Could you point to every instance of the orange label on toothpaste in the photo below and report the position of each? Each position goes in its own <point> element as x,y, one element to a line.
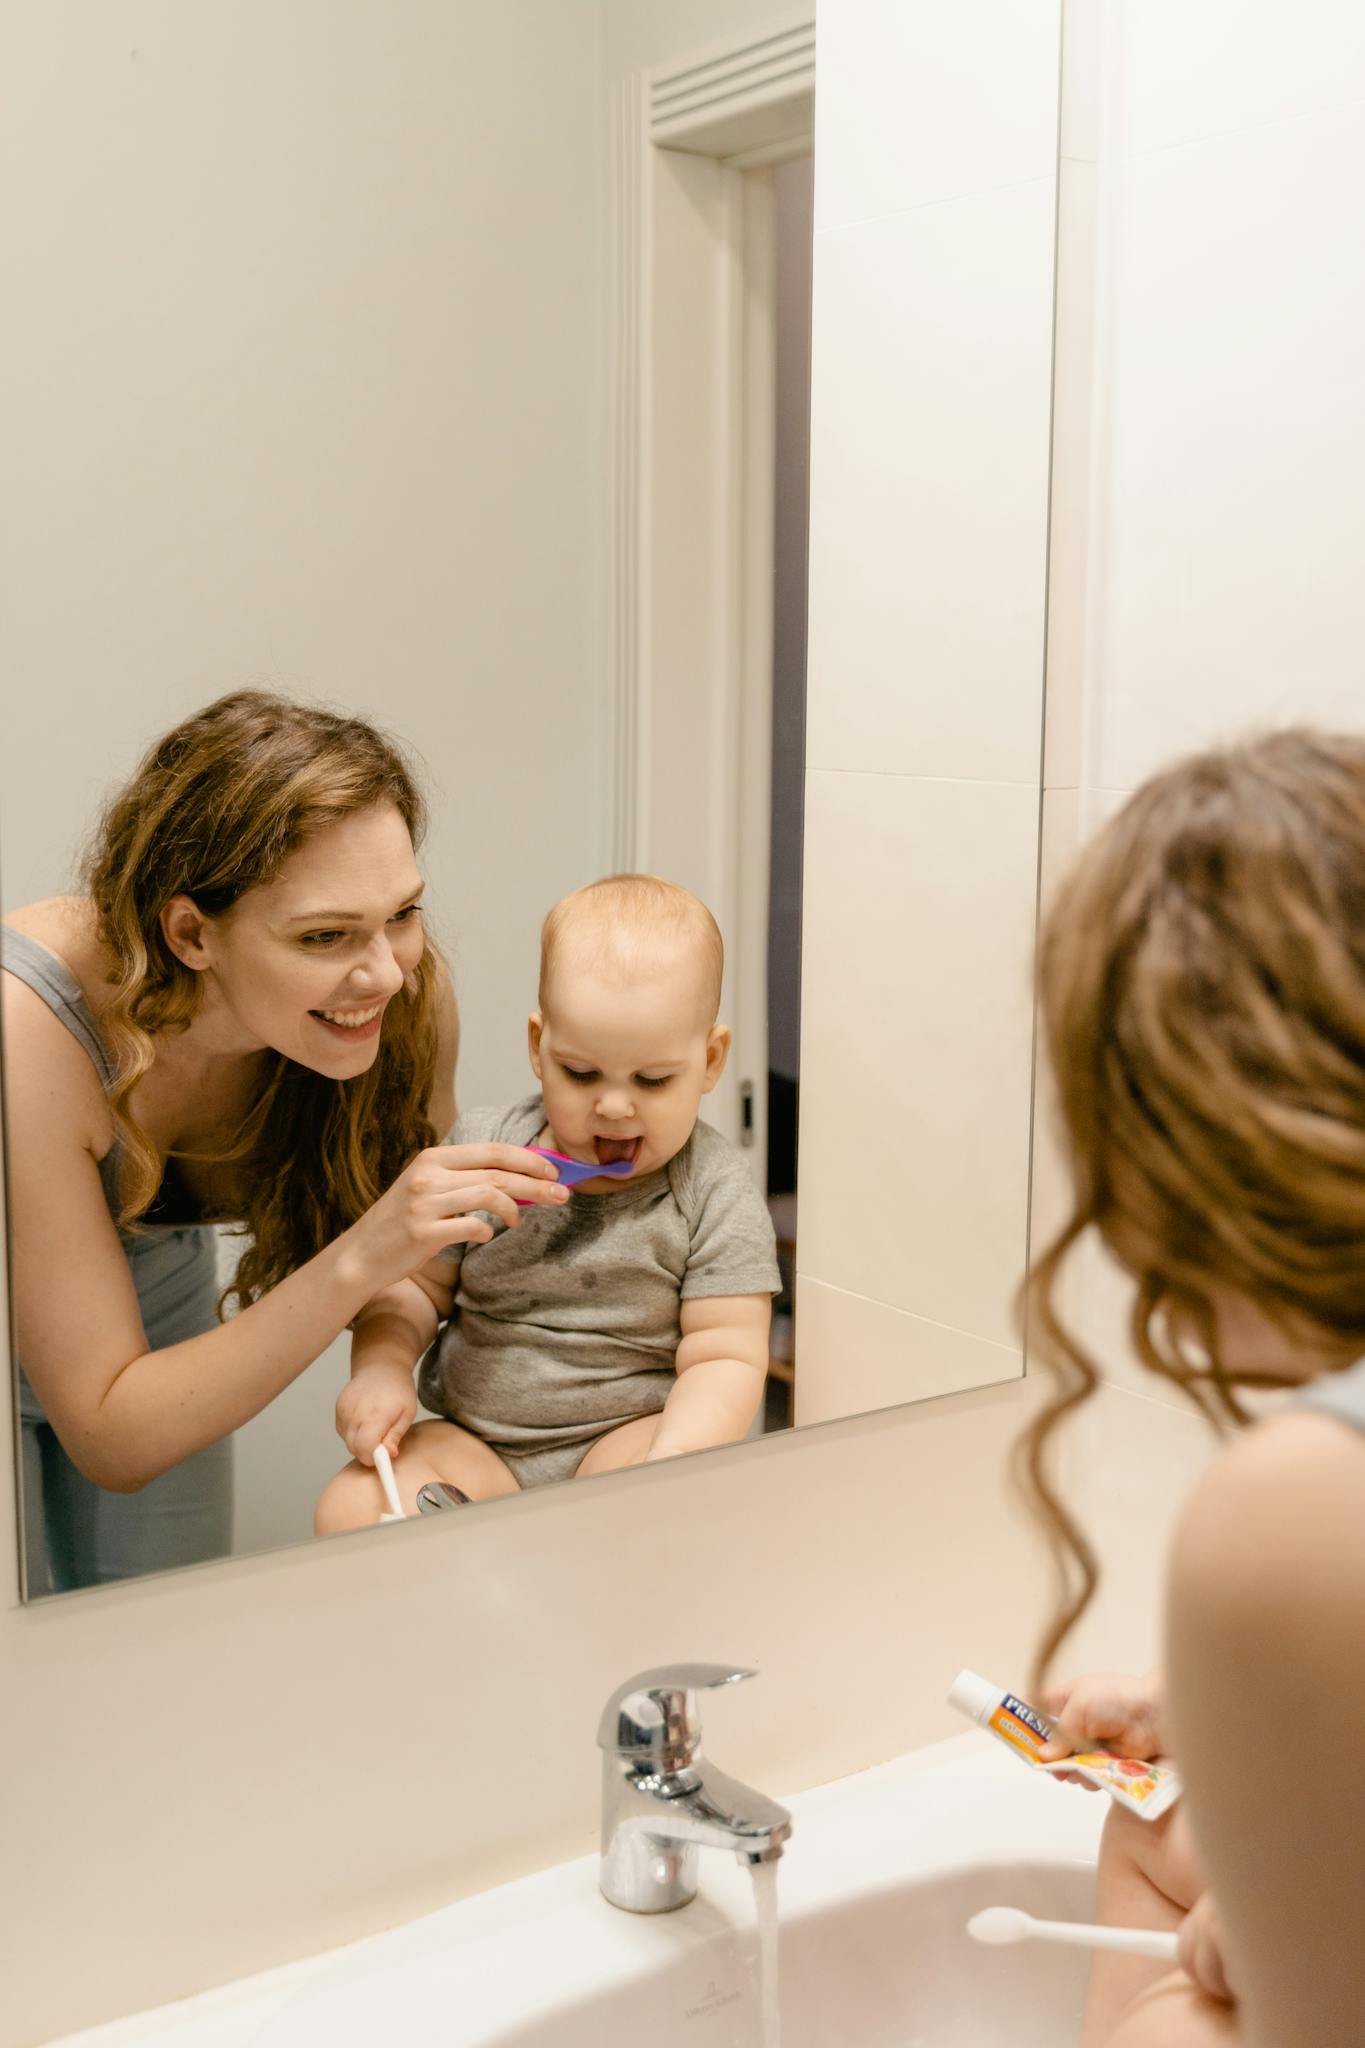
<point>1016,1723</point>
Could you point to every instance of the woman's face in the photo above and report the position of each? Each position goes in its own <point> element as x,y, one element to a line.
<point>308,963</point>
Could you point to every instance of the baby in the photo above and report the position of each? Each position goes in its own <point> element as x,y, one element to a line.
<point>629,1325</point>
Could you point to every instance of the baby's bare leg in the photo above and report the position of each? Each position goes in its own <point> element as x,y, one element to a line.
<point>430,1450</point>
<point>1148,1877</point>
<point>1175,2013</point>
<point>627,1445</point>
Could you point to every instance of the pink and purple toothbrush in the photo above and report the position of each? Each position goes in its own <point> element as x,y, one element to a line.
<point>571,1171</point>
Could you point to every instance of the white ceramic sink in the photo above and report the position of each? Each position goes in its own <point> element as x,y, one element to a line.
<point>882,1873</point>
<point>891,1971</point>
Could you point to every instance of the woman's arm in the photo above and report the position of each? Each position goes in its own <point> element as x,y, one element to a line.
<point>123,1413</point>
<point>1266,1678</point>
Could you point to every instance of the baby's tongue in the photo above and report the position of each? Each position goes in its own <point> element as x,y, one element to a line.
<point>609,1150</point>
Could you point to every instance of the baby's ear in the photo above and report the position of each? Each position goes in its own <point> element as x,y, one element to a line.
<point>535,1024</point>
<point>717,1053</point>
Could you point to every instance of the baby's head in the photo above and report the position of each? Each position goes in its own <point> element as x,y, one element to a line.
<point>625,1042</point>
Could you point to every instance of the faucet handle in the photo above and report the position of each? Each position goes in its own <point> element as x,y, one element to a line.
<point>654,1714</point>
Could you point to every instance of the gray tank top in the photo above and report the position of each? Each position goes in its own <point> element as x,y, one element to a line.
<point>173,1266</point>
<point>51,978</point>
<point>1339,1393</point>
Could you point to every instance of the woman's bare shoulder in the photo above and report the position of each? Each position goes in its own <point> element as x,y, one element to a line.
<point>48,1073</point>
<point>1281,1507</point>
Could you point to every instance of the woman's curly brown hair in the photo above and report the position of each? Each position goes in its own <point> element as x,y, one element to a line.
<point>1202,989</point>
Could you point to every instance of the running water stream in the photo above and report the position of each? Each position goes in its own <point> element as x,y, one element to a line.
<point>765,1913</point>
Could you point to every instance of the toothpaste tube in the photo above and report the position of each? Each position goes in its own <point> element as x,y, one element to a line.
<point>1147,1789</point>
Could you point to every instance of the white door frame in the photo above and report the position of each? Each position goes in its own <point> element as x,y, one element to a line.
<point>690,513</point>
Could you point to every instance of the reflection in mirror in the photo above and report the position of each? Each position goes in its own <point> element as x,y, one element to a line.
<point>334,727</point>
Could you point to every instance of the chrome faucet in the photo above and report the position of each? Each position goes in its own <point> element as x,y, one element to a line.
<point>661,1802</point>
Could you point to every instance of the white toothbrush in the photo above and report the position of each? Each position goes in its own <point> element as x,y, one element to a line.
<point>383,1465</point>
<point>1001,1924</point>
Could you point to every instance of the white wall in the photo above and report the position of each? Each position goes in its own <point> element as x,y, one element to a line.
<point>1210,441</point>
<point>304,387</point>
<point>303,373</point>
<point>223,1715</point>
<point>641,35</point>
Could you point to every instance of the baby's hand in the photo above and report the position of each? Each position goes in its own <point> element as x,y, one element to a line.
<point>1110,1707</point>
<point>376,1406</point>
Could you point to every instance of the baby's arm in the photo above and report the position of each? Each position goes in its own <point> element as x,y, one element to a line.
<point>378,1403</point>
<point>721,1365</point>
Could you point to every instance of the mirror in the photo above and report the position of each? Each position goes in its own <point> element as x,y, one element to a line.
<point>461,390</point>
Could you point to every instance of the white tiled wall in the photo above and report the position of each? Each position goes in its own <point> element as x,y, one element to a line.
<point>935,162</point>
<point>1216,67</point>
<point>1235,590</point>
<point>931,364</point>
<point>919,904</point>
<point>920,103</point>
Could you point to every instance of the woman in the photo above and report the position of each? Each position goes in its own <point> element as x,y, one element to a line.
<point>242,1021</point>
<point>1203,990</point>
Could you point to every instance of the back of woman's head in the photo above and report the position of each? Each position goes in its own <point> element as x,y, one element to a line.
<point>1202,985</point>
<point>214,809</point>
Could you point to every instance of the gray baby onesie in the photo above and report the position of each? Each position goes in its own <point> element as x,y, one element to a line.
<point>568,1325</point>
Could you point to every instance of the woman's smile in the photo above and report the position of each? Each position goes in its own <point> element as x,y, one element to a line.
<point>354,1024</point>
